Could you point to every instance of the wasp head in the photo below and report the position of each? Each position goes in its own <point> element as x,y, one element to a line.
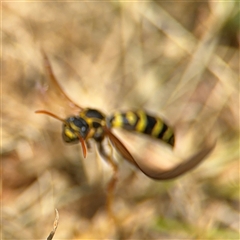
<point>73,128</point>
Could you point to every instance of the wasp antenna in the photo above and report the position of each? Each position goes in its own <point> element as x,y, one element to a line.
<point>50,114</point>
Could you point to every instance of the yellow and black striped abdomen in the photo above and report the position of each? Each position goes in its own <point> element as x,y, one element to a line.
<point>142,122</point>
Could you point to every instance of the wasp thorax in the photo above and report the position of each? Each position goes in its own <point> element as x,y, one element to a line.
<point>74,128</point>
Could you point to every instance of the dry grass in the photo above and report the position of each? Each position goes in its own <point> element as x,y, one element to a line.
<point>177,59</point>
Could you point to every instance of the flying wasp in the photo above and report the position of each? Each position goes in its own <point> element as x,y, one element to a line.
<point>93,124</point>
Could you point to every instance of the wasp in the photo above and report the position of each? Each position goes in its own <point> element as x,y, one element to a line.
<point>93,124</point>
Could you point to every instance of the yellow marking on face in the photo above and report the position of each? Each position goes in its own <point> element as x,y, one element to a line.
<point>142,122</point>
<point>157,127</point>
<point>118,120</point>
<point>69,133</point>
<point>131,117</point>
<point>167,135</point>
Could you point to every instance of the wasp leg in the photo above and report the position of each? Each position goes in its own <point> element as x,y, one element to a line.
<point>113,181</point>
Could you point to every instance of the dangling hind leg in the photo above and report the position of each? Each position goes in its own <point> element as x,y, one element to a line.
<point>113,181</point>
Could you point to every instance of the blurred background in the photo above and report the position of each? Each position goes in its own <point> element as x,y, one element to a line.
<point>177,60</point>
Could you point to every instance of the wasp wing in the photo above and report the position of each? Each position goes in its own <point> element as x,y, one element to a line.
<point>179,169</point>
<point>52,91</point>
<point>158,173</point>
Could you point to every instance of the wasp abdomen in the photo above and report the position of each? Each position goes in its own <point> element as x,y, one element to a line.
<point>142,122</point>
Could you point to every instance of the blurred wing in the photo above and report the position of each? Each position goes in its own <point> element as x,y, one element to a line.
<point>54,92</point>
<point>179,169</point>
<point>158,173</point>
